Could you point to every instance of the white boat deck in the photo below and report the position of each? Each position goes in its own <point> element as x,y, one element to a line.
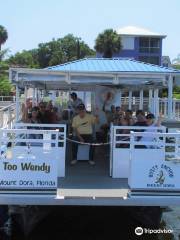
<point>84,180</point>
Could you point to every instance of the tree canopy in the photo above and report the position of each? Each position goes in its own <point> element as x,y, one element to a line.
<point>55,52</point>
<point>3,35</point>
<point>5,85</point>
<point>108,42</point>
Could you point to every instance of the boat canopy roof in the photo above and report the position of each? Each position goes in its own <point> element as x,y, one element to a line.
<point>86,73</point>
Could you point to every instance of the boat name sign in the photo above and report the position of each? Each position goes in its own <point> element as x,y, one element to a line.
<point>28,173</point>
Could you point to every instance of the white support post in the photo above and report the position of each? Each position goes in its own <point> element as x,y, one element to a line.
<point>141,99</point>
<point>150,100</point>
<point>130,99</point>
<point>34,96</point>
<point>37,96</point>
<point>25,93</point>
<point>17,112</point>
<point>43,94</point>
<point>165,107</point>
<point>84,98</point>
<point>53,96</point>
<point>120,96</point>
<point>174,108</point>
<point>170,97</point>
<point>93,102</point>
<point>156,102</point>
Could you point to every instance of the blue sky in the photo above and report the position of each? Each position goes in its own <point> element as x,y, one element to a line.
<point>30,22</point>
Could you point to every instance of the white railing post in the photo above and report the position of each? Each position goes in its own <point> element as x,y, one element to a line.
<point>150,99</point>
<point>25,92</point>
<point>17,104</point>
<point>130,100</point>
<point>170,97</point>
<point>165,107</point>
<point>120,98</point>
<point>1,119</point>
<point>141,99</point>
<point>34,96</point>
<point>178,109</point>
<point>9,118</point>
<point>156,102</point>
<point>174,108</point>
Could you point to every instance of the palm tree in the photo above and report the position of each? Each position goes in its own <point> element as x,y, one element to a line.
<point>3,35</point>
<point>108,43</point>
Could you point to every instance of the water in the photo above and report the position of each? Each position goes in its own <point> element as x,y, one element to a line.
<point>89,223</point>
<point>172,221</point>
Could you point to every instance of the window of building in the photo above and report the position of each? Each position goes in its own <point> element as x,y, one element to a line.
<point>149,45</point>
<point>127,43</point>
<point>152,60</point>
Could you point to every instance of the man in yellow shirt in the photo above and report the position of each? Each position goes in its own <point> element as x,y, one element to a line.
<point>83,129</point>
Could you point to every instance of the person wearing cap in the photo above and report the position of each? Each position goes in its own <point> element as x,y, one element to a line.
<point>83,128</point>
<point>75,101</point>
<point>150,120</point>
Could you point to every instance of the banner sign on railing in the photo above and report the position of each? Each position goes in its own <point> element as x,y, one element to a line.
<point>28,170</point>
<point>29,159</point>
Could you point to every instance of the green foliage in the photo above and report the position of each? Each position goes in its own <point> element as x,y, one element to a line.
<point>176,92</point>
<point>50,53</point>
<point>3,35</point>
<point>3,67</point>
<point>176,95</point>
<point>176,66</point>
<point>5,86</point>
<point>47,54</point>
<point>55,52</point>
<point>23,59</point>
<point>108,43</point>
<point>74,48</point>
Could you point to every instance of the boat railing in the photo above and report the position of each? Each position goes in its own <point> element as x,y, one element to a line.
<point>30,160</point>
<point>121,147</point>
<point>153,105</point>
<point>62,131</point>
<point>30,152</point>
<point>7,98</point>
<point>7,116</point>
<point>163,108</point>
<point>169,143</point>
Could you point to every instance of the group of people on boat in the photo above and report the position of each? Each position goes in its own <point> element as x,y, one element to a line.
<point>43,112</point>
<point>84,123</point>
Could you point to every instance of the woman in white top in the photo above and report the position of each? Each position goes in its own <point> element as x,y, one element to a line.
<point>151,124</point>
